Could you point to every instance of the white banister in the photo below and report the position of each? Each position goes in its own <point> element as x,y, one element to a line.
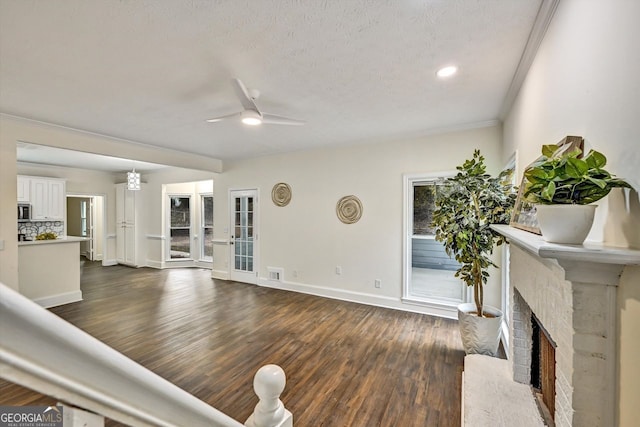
<point>268,384</point>
<point>45,353</point>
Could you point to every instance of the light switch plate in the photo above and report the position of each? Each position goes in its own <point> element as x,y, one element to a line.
<point>1,244</point>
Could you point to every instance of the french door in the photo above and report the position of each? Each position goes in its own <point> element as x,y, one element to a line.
<point>243,254</point>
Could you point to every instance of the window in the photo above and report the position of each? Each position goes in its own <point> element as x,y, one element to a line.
<point>180,227</point>
<point>207,228</point>
<point>424,203</point>
<point>426,251</point>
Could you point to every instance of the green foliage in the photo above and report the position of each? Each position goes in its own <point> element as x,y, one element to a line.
<point>470,202</point>
<point>560,177</point>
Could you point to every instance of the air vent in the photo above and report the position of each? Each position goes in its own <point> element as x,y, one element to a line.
<point>275,274</point>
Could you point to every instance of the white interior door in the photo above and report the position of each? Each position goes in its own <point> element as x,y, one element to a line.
<point>244,236</point>
<point>88,231</point>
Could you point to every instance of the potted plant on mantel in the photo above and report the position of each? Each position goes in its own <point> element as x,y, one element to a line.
<point>470,202</point>
<point>562,186</point>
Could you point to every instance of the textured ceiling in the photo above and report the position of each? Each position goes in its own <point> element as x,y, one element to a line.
<point>355,70</point>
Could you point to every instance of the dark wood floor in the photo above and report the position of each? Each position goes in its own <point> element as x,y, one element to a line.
<point>346,364</point>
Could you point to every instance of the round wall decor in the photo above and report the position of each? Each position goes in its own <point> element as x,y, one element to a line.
<point>281,194</point>
<point>349,209</point>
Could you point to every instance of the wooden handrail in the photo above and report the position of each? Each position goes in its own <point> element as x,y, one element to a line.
<point>45,353</point>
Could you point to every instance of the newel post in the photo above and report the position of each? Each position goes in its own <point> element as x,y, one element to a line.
<point>268,383</point>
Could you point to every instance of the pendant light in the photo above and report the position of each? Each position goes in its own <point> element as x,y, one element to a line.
<point>133,179</point>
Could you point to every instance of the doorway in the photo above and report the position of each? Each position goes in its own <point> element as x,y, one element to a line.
<point>429,272</point>
<point>244,235</point>
<point>85,218</point>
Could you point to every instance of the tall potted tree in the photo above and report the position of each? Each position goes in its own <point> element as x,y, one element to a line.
<point>470,202</point>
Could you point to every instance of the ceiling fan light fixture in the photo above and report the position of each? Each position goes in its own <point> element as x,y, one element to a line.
<point>251,118</point>
<point>447,71</point>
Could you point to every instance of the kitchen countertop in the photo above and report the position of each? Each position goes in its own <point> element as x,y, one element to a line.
<point>63,239</point>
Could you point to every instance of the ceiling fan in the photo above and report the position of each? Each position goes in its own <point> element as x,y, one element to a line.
<point>251,115</point>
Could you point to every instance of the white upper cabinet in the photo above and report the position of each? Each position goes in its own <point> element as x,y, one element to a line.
<point>24,189</point>
<point>47,199</point>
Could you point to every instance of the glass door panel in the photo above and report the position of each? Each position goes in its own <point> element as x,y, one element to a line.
<point>243,237</point>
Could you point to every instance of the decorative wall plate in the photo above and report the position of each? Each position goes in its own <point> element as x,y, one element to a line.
<point>281,194</point>
<point>349,209</point>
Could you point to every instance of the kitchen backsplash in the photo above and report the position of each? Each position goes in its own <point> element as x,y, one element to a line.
<point>33,228</point>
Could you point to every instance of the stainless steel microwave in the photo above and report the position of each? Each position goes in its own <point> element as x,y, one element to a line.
<point>24,212</point>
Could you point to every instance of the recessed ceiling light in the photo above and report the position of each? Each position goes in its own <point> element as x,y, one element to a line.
<point>447,71</point>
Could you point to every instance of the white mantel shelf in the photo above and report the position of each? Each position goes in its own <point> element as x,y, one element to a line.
<point>589,252</point>
<point>590,262</point>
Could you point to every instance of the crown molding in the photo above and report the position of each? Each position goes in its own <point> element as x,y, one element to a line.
<point>538,31</point>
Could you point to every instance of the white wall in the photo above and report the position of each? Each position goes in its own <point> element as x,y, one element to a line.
<point>585,80</point>
<point>307,237</point>
<point>8,203</point>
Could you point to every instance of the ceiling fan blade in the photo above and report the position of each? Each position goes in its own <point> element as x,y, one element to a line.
<point>243,95</point>
<point>280,120</point>
<point>218,119</point>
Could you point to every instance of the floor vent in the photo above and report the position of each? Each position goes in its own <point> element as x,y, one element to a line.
<point>275,274</point>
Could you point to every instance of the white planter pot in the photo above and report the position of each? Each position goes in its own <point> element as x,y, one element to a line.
<point>480,335</point>
<point>569,224</point>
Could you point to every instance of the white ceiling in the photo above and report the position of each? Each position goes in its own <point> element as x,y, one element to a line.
<point>356,70</point>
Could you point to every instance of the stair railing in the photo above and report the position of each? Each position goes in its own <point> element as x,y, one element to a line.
<point>43,352</point>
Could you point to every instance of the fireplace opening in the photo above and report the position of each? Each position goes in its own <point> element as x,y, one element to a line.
<point>543,370</point>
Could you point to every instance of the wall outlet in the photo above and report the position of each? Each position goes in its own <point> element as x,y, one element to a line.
<point>338,270</point>
<point>377,283</point>
<point>294,273</point>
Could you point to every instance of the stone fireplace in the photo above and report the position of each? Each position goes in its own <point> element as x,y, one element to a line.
<point>571,291</point>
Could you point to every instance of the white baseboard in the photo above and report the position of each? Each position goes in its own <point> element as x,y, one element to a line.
<point>109,262</point>
<point>155,264</point>
<point>220,274</point>
<point>204,264</point>
<point>59,299</point>
<point>178,264</point>
<point>357,297</point>
<point>435,309</point>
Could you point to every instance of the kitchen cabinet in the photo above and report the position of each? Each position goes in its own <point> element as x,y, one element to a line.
<point>130,238</point>
<point>47,199</point>
<point>24,189</point>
